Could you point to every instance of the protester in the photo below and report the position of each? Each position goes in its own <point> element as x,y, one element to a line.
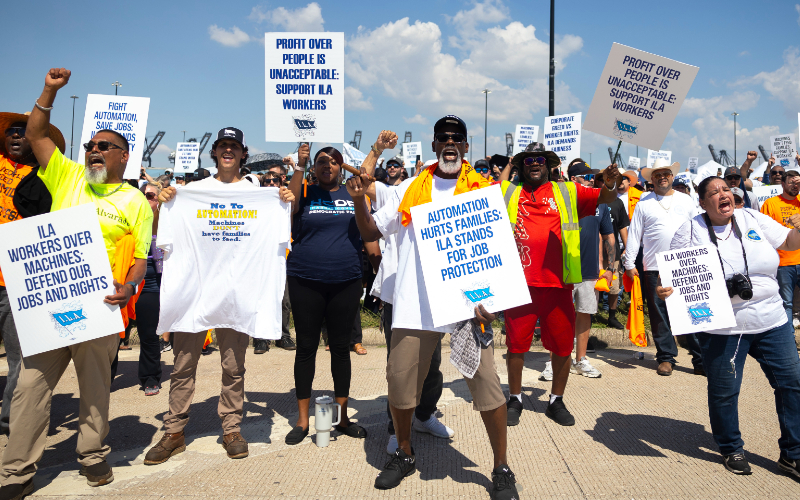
<point>180,180</point>
<point>620,222</point>
<point>774,174</point>
<point>627,191</point>
<point>738,197</point>
<point>70,184</point>
<point>746,242</point>
<point>735,178</point>
<point>271,179</point>
<point>680,186</point>
<point>394,170</point>
<point>483,168</point>
<point>280,171</point>
<point>658,215</point>
<point>228,152</point>
<point>148,305</point>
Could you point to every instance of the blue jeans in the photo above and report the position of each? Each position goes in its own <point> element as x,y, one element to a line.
<point>776,352</point>
<point>787,280</point>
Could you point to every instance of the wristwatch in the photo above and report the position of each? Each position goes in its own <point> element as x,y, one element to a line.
<point>133,284</point>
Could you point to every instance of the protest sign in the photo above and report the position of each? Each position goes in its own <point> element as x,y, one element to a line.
<point>784,149</point>
<point>562,135</point>
<point>524,135</point>
<point>304,75</point>
<point>410,152</point>
<point>691,166</point>
<point>634,163</point>
<point>763,193</point>
<point>638,96</point>
<point>351,156</point>
<point>652,156</point>
<point>123,114</point>
<point>469,255</point>
<point>186,156</point>
<point>699,301</point>
<point>57,274</point>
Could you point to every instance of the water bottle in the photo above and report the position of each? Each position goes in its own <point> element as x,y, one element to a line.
<point>643,355</point>
<point>323,419</point>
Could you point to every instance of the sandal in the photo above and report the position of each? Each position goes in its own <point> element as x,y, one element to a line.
<point>359,349</point>
<point>352,430</point>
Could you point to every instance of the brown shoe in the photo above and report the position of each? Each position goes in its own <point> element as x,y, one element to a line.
<point>235,445</point>
<point>170,444</point>
<point>664,369</point>
<point>97,474</point>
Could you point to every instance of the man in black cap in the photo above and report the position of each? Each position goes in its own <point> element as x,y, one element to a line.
<point>733,177</point>
<point>482,167</point>
<point>394,171</point>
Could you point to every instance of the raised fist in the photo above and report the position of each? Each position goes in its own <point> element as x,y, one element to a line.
<point>57,78</point>
<point>751,156</point>
<point>386,140</point>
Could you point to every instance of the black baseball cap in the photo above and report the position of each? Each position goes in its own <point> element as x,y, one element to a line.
<point>450,120</point>
<point>201,173</point>
<point>579,168</point>
<point>482,163</point>
<point>230,133</point>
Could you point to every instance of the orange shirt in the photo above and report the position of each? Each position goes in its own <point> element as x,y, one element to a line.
<point>10,175</point>
<point>781,209</point>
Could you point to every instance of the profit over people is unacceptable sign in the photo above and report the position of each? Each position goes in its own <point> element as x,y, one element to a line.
<point>468,255</point>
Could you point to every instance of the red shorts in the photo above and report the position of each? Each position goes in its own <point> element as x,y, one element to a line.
<point>554,309</point>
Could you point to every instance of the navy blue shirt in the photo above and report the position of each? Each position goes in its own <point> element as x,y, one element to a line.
<point>152,278</point>
<point>591,229</point>
<point>326,244</point>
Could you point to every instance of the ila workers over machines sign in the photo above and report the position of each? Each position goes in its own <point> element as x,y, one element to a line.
<point>638,96</point>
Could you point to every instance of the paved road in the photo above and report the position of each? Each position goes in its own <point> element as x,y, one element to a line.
<point>638,435</point>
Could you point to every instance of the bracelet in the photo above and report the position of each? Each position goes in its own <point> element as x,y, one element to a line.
<point>375,150</point>
<point>42,108</point>
<point>611,188</point>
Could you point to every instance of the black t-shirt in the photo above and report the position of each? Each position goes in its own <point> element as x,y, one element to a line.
<point>591,229</point>
<point>152,278</point>
<point>620,220</point>
<point>326,244</point>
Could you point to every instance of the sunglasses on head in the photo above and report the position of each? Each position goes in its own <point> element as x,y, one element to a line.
<point>15,130</point>
<point>150,196</point>
<point>101,145</point>
<point>534,160</point>
<point>481,170</point>
<point>444,137</point>
<point>733,177</point>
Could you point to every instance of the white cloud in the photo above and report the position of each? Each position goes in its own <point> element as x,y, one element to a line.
<point>418,118</point>
<point>744,53</point>
<point>162,149</point>
<point>229,38</point>
<point>783,83</point>
<point>488,12</point>
<point>308,18</point>
<point>354,99</point>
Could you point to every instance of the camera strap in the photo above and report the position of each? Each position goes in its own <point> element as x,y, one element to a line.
<point>713,237</point>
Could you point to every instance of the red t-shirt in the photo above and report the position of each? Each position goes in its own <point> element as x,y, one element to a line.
<point>538,233</point>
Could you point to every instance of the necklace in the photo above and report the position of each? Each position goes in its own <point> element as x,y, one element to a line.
<point>107,194</point>
<point>666,209</point>
<point>729,233</point>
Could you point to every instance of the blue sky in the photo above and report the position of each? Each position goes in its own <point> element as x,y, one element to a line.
<point>408,63</point>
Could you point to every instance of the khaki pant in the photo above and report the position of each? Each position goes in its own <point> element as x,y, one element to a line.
<point>187,348</point>
<point>30,406</point>
<point>409,362</point>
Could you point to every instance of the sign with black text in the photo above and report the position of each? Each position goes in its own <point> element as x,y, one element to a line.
<point>524,135</point>
<point>186,157</point>
<point>784,149</point>
<point>562,135</point>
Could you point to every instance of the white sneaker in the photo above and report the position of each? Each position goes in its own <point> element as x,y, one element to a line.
<point>585,368</point>
<point>434,427</point>
<point>547,374</point>
<point>391,446</point>
<point>795,322</point>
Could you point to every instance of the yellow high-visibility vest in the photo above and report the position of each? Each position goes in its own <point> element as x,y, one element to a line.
<point>566,196</point>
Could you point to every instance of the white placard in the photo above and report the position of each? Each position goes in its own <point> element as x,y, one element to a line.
<point>652,156</point>
<point>524,135</point>
<point>469,256</point>
<point>784,149</point>
<point>763,193</point>
<point>123,114</point>
<point>57,274</point>
<point>186,156</point>
<point>410,152</point>
<point>562,135</point>
<point>691,166</point>
<point>699,301</point>
<point>638,96</point>
<point>634,163</point>
<point>351,156</point>
<point>304,87</point>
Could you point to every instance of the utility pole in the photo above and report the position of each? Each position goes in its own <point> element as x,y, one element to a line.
<point>470,150</point>
<point>552,58</point>
<point>485,119</point>
<point>72,135</point>
<point>735,114</point>
<point>116,85</point>
<point>184,135</point>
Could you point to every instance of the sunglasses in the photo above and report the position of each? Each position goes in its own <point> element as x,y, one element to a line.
<point>101,145</point>
<point>588,177</point>
<point>481,170</point>
<point>272,181</point>
<point>150,196</point>
<point>444,137</point>
<point>733,178</point>
<point>776,172</point>
<point>20,131</point>
<point>393,165</point>
<point>661,175</point>
<point>534,160</point>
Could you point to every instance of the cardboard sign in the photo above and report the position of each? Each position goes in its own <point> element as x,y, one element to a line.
<point>562,135</point>
<point>524,135</point>
<point>186,156</point>
<point>123,114</point>
<point>57,274</point>
<point>691,166</point>
<point>638,96</point>
<point>652,156</point>
<point>784,149</point>
<point>699,301</point>
<point>410,152</point>
<point>304,87</point>
<point>469,255</point>
<point>763,193</point>
<point>634,163</point>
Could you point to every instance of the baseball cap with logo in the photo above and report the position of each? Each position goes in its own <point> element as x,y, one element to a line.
<point>450,120</point>
<point>230,133</point>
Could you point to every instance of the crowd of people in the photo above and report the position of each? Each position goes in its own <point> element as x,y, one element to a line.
<point>576,229</point>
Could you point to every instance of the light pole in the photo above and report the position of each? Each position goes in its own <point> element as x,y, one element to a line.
<point>552,58</point>
<point>470,150</point>
<point>116,85</point>
<point>485,119</point>
<point>184,135</point>
<point>72,135</point>
<point>735,114</point>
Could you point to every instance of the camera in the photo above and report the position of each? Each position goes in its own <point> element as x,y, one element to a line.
<point>739,285</point>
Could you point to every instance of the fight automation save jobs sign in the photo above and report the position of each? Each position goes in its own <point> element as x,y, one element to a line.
<point>57,274</point>
<point>468,255</point>
<point>638,96</point>
<point>304,87</point>
<point>123,114</point>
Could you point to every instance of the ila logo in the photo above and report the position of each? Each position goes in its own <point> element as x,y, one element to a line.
<point>69,319</point>
<point>304,125</point>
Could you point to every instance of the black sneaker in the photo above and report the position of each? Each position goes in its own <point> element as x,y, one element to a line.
<point>260,346</point>
<point>613,322</point>
<point>503,484</point>
<point>98,474</point>
<point>16,491</point>
<point>737,463</point>
<point>206,350</point>
<point>164,345</point>
<point>558,413</point>
<point>286,343</point>
<point>791,467</point>
<point>398,467</point>
<point>513,411</point>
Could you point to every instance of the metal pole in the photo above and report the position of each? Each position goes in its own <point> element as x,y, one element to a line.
<point>552,58</point>
<point>184,135</point>
<point>735,114</point>
<point>116,85</point>
<point>485,120</point>
<point>72,135</point>
<point>470,150</point>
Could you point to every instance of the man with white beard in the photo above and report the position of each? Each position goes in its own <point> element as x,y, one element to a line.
<point>414,336</point>
<point>121,210</point>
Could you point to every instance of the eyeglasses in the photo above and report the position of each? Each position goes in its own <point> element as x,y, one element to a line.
<point>150,196</point>
<point>661,175</point>
<point>534,160</point>
<point>733,177</point>
<point>20,131</point>
<point>481,170</point>
<point>393,165</point>
<point>101,145</point>
<point>444,137</point>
